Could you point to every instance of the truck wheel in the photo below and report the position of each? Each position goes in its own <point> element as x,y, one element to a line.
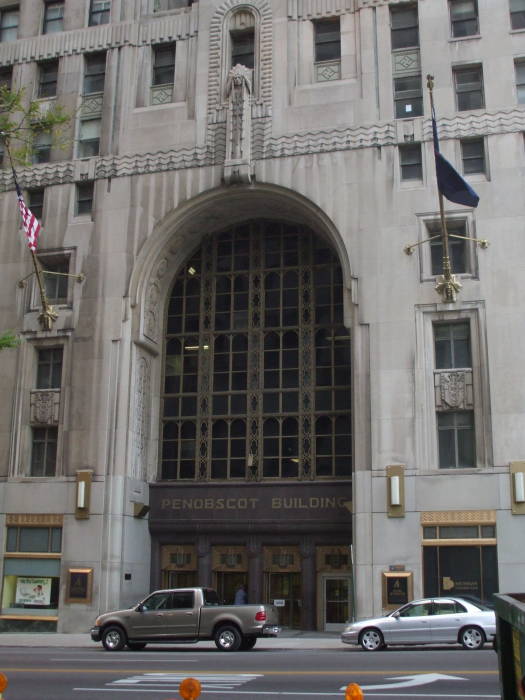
<point>248,643</point>
<point>136,646</point>
<point>114,638</point>
<point>228,638</point>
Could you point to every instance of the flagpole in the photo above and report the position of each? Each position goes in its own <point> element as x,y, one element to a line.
<point>48,315</point>
<point>447,285</point>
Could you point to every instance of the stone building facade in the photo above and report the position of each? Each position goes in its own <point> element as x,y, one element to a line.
<point>248,379</point>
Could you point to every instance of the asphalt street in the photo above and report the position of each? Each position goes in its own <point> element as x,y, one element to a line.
<point>280,668</point>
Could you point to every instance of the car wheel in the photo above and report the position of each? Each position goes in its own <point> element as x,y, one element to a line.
<point>248,643</point>
<point>136,646</point>
<point>114,638</point>
<point>472,638</point>
<point>371,639</point>
<point>228,638</point>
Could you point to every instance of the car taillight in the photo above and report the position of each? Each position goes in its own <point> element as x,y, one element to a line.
<point>260,616</point>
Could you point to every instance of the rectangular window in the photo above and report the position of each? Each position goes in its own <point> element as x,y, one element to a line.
<point>42,148</point>
<point>404,27</point>
<point>6,77</point>
<point>243,47</point>
<point>84,198</point>
<point>473,156</point>
<point>34,539</point>
<point>99,12</point>
<point>47,79</point>
<point>410,161</point>
<point>44,451</point>
<point>9,24</point>
<point>457,247</point>
<point>49,368</point>
<point>464,17</point>
<point>456,439</point>
<point>520,81</point>
<point>327,38</point>
<point>469,88</point>
<point>164,64</point>
<point>94,73</point>
<point>53,17</point>
<point>452,345</point>
<point>166,5</point>
<point>408,96</point>
<point>517,14</point>
<point>89,138</point>
<point>35,201</point>
<point>56,280</point>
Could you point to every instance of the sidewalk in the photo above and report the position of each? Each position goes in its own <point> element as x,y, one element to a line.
<point>288,639</point>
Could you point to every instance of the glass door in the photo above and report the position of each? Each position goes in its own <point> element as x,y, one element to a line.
<point>336,602</point>
<point>286,590</point>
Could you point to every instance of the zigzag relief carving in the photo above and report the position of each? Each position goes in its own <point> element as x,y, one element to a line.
<point>264,146</point>
<point>106,36</point>
<point>304,9</point>
<point>215,87</point>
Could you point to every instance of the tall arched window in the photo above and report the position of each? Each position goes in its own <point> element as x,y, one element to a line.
<point>257,360</point>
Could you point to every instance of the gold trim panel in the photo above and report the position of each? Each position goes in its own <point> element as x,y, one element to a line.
<point>50,519</point>
<point>448,517</point>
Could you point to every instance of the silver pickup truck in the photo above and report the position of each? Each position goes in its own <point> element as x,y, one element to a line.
<point>186,615</point>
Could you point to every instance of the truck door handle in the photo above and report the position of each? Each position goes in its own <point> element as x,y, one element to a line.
<point>189,613</point>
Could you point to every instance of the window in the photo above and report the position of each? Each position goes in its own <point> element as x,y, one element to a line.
<point>42,148</point>
<point>35,201</point>
<point>469,88</point>
<point>517,14</point>
<point>473,156</point>
<point>49,368</point>
<point>164,64</point>
<point>53,17</point>
<point>34,539</point>
<point>47,79</point>
<point>57,283</point>
<point>452,345</point>
<point>520,81</point>
<point>99,12</point>
<point>166,5</point>
<point>89,138</point>
<point>94,73</point>
<point>464,17</point>
<point>404,27</point>
<point>84,198</point>
<point>408,96</point>
<point>457,247</point>
<point>410,161</point>
<point>9,24</point>
<point>44,451</point>
<point>327,38</point>
<point>6,77</point>
<point>243,47</point>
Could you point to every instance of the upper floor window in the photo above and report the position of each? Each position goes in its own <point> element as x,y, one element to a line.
<point>520,81</point>
<point>243,47</point>
<point>517,14</point>
<point>53,17</point>
<point>42,148</point>
<point>6,77</point>
<point>47,79</point>
<point>166,5</point>
<point>408,96</point>
<point>49,368</point>
<point>35,201</point>
<point>56,280</point>
<point>84,198</point>
<point>473,156</point>
<point>94,72</point>
<point>9,24</point>
<point>99,12</point>
<point>163,64</point>
<point>468,83</point>
<point>404,26</point>
<point>44,451</point>
<point>464,17</point>
<point>327,38</point>
<point>34,539</point>
<point>89,137</point>
<point>452,345</point>
<point>457,247</point>
<point>410,161</point>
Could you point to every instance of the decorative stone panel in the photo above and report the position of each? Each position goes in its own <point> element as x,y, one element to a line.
<point>45,406</point>
<point>21,519</point>
<point>458,517</point>
<point>141,417</point>
<point>327,70</point>
<point>305,9</point>
<point>453,390</point>
<point>406,62</point>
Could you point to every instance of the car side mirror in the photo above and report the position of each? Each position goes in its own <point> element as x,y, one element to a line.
<point>396,615</point>
<point>139,608</point>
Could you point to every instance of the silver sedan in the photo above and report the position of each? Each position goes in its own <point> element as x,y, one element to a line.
<point>427,621</point>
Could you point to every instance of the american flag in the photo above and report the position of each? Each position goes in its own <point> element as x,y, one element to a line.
<point>30,222</point>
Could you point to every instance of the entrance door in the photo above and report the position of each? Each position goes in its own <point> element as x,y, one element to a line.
<point>226,583</point>
<point>285,588</point>
<point>336,602</point>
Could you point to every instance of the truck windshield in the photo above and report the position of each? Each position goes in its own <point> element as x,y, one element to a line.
<point>210,596</point>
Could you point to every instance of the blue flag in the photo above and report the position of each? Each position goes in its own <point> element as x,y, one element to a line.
<point>450,183</point>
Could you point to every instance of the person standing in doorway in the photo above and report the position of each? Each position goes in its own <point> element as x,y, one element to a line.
<point>241,596</point>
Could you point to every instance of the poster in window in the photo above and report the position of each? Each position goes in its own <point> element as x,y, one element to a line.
<point>79,586</point>
<point>31,590</point>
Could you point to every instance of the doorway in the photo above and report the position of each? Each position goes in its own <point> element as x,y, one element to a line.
<point>226,583</point>
<point>285,588</point>
<point>337,602</point>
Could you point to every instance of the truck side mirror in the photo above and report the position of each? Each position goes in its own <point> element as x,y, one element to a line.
<point>140,608</point>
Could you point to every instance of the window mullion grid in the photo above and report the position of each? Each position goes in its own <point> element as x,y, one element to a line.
<point>255,369</point>
<point>306,419</point>
<point>205,378</point>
